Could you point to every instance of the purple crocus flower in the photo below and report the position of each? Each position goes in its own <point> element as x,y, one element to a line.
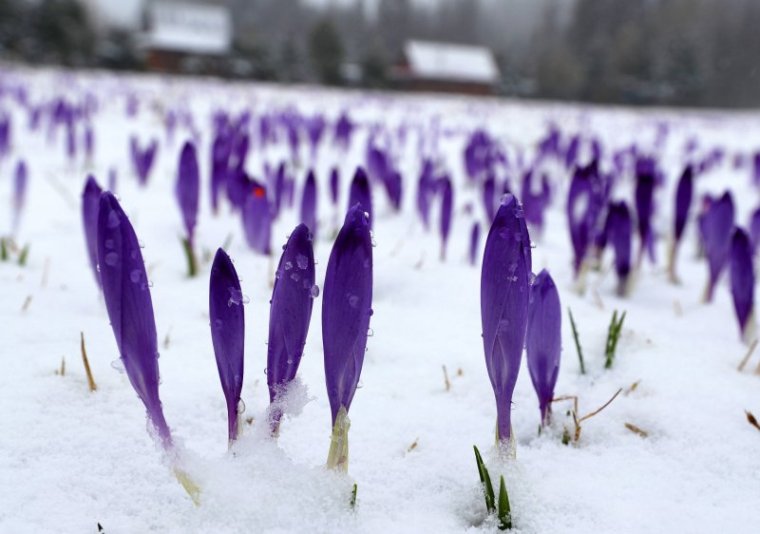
<point>754,230</point>
<point>717,225</point>
<point>89,141</point>
<point>289,317</point>
<point>447,212</point>
<point>187,191</point>
<point>280,186</point>
<point>90,206</point>
<point>489,196</point>
<point>227,333</point>
<point>584,205</point>
<point>474,243</point>
<point>535,202</point>
<point>130,309</point>
<point>5,135</point>
<point>20,181</point>
<point>425,192</point>
<point>544,340</point>
<point>344,127</point>
<point>360,193</point>
<point>684,194</point>
<point>309,203</point>
<point>257,219</point>
<point>394,188</point>
<point>619,230</point>
<point>334,185</point>
<point>742,281</point>
<point>220,156</point>
<point>187,188</point>
<point>646,178</point>
<point>504,291</point>
<point>142,160</point>
<point>346,310</point>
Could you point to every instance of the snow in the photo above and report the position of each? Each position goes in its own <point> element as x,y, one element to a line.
<point>448,61</point>
<point>70,458</point>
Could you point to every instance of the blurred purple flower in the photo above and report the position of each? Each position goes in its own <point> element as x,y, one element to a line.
<point>142,160</point>
<point>584,205</point>
<point>257,219</point>
<point>447,212</point>
<point>742,281</point>
<point>717,225</point>
<point>360,193</point>
<point>334,185</point>
<point>474,243</point>
<point>646,179</point>
<point>187,188</point>
<point>619,229</point>
<point>90,206</point>
<point>309,203</point>
<point>20,185</point>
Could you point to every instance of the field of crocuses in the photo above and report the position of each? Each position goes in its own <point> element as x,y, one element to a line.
<point>349,291</point>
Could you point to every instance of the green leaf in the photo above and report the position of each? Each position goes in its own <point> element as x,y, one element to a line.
<point>352,502</point>
<point>504,513</point>
<point>577,342</point>
<point>23,256</point>
<point>485,480</point>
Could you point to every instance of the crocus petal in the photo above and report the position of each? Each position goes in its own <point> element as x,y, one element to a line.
<point>742,278</point>
<point>290,312</point>
<point>474,243</point>
<point>20,180</point>
<point>334,185</point>
<point>90,206</point>
<point>127,296</point>
<point>447,211</point>
<point>309,203</point>
<point>187,189</point>
<point>227,333</point>
<point>257,219</point>
<point>717,225</point>
<point>619,229</point>
<point>684,193</point>
<point>346,308</point>
<point>644,196</point>
<point>504,288</point>
<point>544,340</point>
<point>360,193</point>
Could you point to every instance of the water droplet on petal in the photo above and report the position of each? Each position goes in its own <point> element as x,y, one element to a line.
<point>113,220</point>
<point>288,265</point>
<point>135,276</point>
<point>314,291</point>
<point>302,261</point>
<point>112,259</point>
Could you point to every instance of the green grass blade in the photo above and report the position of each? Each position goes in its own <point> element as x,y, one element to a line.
<point>504,513</point>
<point>577,342</point>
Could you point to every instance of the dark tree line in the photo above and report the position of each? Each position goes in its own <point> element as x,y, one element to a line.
<point>673,52</point>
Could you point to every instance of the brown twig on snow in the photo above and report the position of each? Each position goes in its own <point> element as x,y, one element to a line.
<point>636,430</point>
<point>27,302</point>
<point>413,445</point>
<point>574,412</point>
<point>751,419</point>
<point>632,388</point>
<point>446,381</point>
<point>90,380</point>
<point>747,356</point>
<point>62,370</point>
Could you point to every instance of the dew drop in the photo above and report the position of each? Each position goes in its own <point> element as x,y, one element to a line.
<point>302,261</point>
<point>113,220</point>
<point>240,406</point>
<point>112,259</point>
<point>295,277</point>
<point>353,300</point>
<point>135,276</point>
<point>314,291</point>
<point>118,365</point>
<point>288,265</point>
<point>109,243</point>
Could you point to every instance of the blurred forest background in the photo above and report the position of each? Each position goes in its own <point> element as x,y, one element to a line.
<point>669,52</point>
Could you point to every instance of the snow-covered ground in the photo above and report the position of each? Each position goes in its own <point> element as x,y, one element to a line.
<point>70,459</point>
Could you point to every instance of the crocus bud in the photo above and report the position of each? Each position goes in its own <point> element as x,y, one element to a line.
<point>754,230</point>
<point>142,160</point>
<point>187,188</point>
<point>20,180</point>
<point>474,243</point>
<point>717,225</point>
<point>504,291</point>
<point>360,193</point>
<point>220,155</point>
<point>447,212</point>
<point>489,196</point>
<point>90,206</point>
<point>619,230</point>
<point>425,192</point>
<point>309,203</point>
<point>334,185</point>
<point>743,282</point>
<point>544,340</point>
<point>227,334</point>
<point>346,310</point>
<point>257,219</point>
<point>644,196</point>
<point>126,292</point>
<point>584,204</point>
<point>684,193</point>
<point>289,317</point>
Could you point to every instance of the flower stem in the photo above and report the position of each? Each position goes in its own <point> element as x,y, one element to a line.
<point>337,458</point>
